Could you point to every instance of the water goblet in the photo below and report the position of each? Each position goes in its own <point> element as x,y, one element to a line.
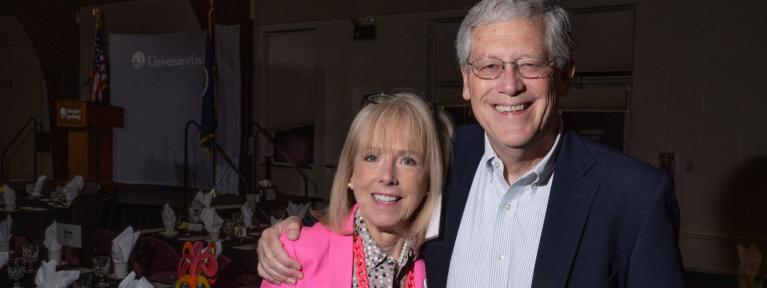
<point>101,269</point>
<point>84,281</point>
<point>30,253</point>
<point>16,270</point>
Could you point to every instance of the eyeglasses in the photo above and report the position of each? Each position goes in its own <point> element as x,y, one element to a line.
<point>375,98</point>
<point>380,97</point>
<point>528,68</point>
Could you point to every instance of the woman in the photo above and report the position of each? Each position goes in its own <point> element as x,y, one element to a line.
<point>388,183</point>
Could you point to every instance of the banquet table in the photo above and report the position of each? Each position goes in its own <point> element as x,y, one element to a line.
<point>241,252</point>
<point>32,215</point>
<point>29,278</point>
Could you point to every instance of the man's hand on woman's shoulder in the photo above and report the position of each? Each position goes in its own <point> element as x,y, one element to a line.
<point>274,264</point>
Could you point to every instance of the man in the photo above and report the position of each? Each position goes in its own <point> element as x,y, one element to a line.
<point>527,205</point>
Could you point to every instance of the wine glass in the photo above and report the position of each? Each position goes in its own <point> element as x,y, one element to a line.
<point>228,228</point>
<point>84,281</point>
<point>16,270</point>
<point>29,254</point>
<point>101,269</point>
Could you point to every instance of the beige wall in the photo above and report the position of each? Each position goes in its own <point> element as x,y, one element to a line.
<point>343,69</point>
<point>22,96</point>
<point>700,93</point>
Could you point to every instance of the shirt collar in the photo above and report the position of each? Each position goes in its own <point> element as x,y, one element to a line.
<point>540,172</point>
<point>374,254</point>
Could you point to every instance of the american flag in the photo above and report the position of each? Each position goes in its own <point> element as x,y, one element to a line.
<point>99,79</point>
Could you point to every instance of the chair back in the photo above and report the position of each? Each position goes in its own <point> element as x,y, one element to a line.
<point>155,257</point>
<point>247,280</point>
<point>101,239</point>
<point>17,247</point>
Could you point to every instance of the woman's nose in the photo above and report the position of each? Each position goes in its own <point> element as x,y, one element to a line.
<point>388,173</point>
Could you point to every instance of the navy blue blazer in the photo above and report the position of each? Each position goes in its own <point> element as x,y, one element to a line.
<point>611,221</point>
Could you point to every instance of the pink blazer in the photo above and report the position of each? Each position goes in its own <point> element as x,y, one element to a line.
<point>326,258</point>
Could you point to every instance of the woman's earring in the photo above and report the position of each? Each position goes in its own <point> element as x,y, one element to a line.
<point>351,187</point>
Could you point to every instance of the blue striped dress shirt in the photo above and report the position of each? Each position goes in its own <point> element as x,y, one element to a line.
<point>501,225</point>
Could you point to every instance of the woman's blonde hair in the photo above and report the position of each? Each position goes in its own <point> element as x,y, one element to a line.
<point>381,122</point>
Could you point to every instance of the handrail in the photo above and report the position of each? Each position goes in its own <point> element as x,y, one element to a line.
<point>293,165</point>
<point>38,128</point>
<point>217,148</point>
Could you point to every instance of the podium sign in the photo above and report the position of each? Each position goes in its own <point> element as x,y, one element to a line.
<point>89,137</point>
<point>77,113</point>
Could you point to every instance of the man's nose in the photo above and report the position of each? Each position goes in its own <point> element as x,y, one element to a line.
<point>510,82</point>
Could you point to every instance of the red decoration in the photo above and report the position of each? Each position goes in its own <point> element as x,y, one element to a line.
<point>198,264</point>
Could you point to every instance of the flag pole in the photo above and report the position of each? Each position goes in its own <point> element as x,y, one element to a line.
<point>214,85</point>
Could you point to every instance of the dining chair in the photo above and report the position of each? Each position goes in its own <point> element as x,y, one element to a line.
<point>18,243</point>
<point>101,240</point>
<point>155,259</point>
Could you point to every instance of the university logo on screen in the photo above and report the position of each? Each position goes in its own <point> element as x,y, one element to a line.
<point>140,61</point>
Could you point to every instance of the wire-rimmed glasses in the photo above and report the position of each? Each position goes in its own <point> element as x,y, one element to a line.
<point>527,67</point>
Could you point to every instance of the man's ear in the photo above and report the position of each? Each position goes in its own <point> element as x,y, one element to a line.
<point>564,79</point>
<point>465,75</point>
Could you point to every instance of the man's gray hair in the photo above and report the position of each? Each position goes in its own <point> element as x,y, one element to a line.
<point>558,39</point>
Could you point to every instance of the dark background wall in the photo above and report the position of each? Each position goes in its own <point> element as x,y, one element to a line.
<point>690,82</point>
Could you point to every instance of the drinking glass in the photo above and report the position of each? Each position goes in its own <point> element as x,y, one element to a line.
<point>16,270</point>
<point>101,269</point>
<point>84,281</point>
<point>236,217</point>
<point>30,253</point>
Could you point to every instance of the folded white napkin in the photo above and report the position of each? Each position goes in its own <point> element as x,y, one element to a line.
<point>48,277</point>
<point>51,237</point>
<point>130,281</point>
<point>9,196</point>
<point>5,228</point>
<point>194,211</point>
<point>37,190</point>
<point>297,209</point>
<point>211,220</point>
<point>123,244</point>
<point>3,258</point>
<point>168,216</point>
<point>204,198</point>
<point>73,188</point>
<point>247,215</point>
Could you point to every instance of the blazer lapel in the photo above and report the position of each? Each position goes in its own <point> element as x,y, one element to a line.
<point>468,148</point>
<point>341,253</point>
<point>341,259</point>
<point>461,176</point>
<point>569,203</point>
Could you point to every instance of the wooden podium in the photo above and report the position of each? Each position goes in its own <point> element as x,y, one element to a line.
<point>89,137</point>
